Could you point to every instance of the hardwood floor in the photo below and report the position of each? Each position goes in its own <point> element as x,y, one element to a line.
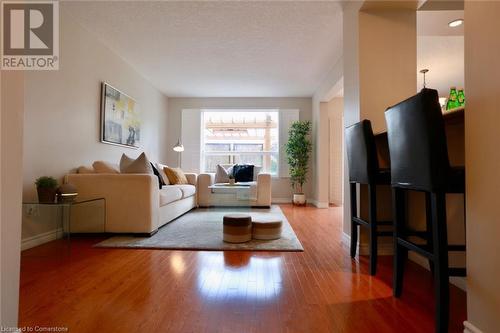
<point>319,290</point>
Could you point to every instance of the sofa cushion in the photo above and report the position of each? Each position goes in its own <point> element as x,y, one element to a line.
<point>170,193</point>
<point>157,174</point>
<point>243,172</point>
<point>187,190</point>
<point>222,174</point>
<point>104,167</point>
<point>256,171</point>
<point>160,167</point>
<point>139,165</point>
<point>176,176</point>
<point>85,169</point>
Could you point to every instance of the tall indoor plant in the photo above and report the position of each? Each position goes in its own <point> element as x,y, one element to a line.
<point>298,150</point>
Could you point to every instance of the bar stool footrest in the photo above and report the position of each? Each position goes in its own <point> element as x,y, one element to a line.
<point>457,271</point>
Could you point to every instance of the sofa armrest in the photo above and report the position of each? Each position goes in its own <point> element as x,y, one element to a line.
<point>264,189</point>
<point>192,178</point>
<point>132,200</point>
<point>204,181</point>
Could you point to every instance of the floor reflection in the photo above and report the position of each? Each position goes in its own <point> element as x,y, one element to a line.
<point>239,275</point>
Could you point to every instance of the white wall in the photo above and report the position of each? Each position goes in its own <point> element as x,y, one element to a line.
<point>280,186</point>
<point>330,87</point>
<point>62,117</point>
<point>482,118</point>
<point>320,152</point>
<point>444,57</point>
<point>11,140</point>
<point>351,91</point>
<point>336,150</point>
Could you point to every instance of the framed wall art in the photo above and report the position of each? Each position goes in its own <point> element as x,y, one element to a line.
<point>120,118</point>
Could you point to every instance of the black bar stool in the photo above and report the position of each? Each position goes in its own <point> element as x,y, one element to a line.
<point>419,162</point>
<point>364,169</point>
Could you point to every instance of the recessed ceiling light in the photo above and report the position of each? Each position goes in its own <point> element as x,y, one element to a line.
<point>456,23</point>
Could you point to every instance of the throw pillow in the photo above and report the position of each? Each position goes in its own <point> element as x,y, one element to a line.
<point>157,174</point>
<point>160,167</point>
<point>140,165</point>
<point>176,176</point>
<point>84,169</point>
<point>222,174</point>
<point>243,173</point>
<point>256,171</point>
<point>104,167</point>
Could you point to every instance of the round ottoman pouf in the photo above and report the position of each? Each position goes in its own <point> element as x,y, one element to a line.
<point>266,228</point>
<point>237,228</point>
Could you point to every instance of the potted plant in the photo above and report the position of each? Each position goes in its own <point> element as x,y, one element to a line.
<point>298,150</point>
<point>47,189</point>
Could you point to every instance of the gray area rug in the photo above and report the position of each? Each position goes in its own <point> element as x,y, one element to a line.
<point>201,229</point>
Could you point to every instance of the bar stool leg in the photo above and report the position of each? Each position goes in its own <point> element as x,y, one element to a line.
<point>372,207</point>
<point>441,276</point>
<point>400,252</point>
<point>428,219</point>
<point>354,225</point>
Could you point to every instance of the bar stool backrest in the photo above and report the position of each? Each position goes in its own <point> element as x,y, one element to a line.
<point>417,143</point>
<point>361,153</point>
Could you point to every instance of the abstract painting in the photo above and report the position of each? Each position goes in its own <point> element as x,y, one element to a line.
<point>120,118</point>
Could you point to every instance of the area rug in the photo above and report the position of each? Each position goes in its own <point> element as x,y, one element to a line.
<point>201,229</point>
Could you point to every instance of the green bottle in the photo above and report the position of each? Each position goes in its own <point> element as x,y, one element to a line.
<point>453,99</point>
<point>461,97</point>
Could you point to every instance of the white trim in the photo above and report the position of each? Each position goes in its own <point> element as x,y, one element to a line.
<point>470,328</point>
<point>29,242</point>
<point>346,239</point>
<point>319,204</point>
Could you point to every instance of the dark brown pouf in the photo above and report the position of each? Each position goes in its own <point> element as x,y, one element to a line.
<point>237,228</point>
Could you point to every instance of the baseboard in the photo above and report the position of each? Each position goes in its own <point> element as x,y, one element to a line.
<point>313,202</point>
<point>470,328</point>
<point>281,200</point>
<point>387,249</point>
<point>318,204</point>
<point>29,242</point>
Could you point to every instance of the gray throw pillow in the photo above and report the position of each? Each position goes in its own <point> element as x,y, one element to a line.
<point>139,165</point>
<point>222,174</point>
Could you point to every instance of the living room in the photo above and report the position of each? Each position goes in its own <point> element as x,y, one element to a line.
<point>197,157</point>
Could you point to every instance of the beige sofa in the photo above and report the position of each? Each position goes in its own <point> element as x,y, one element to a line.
<point>257,195</point>
<point>134,202</point>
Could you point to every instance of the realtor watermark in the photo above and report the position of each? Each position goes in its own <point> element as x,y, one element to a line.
<point>33,329</point>
<point>30,35</point>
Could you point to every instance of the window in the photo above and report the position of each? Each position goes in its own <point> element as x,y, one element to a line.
<point>240,137</point>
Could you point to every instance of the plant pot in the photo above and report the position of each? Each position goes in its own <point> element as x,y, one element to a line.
<point>46,195</point>
<point>299,199</point>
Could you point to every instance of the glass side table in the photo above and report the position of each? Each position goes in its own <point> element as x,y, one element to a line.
<point>50,221</point>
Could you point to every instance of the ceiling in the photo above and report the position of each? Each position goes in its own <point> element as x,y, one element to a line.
<point>435,23</point>
<point>221,49</point>
<point>440,49</point>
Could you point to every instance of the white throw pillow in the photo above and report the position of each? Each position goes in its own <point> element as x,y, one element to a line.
<point>222,174</point>
<point>256,171</point>
<point>160,167</point>
<point>139,165</point>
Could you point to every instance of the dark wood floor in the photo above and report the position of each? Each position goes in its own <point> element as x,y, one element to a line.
<point>319,290</point>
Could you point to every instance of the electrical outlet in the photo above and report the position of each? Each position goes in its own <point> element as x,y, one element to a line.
<point>32,211</point>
